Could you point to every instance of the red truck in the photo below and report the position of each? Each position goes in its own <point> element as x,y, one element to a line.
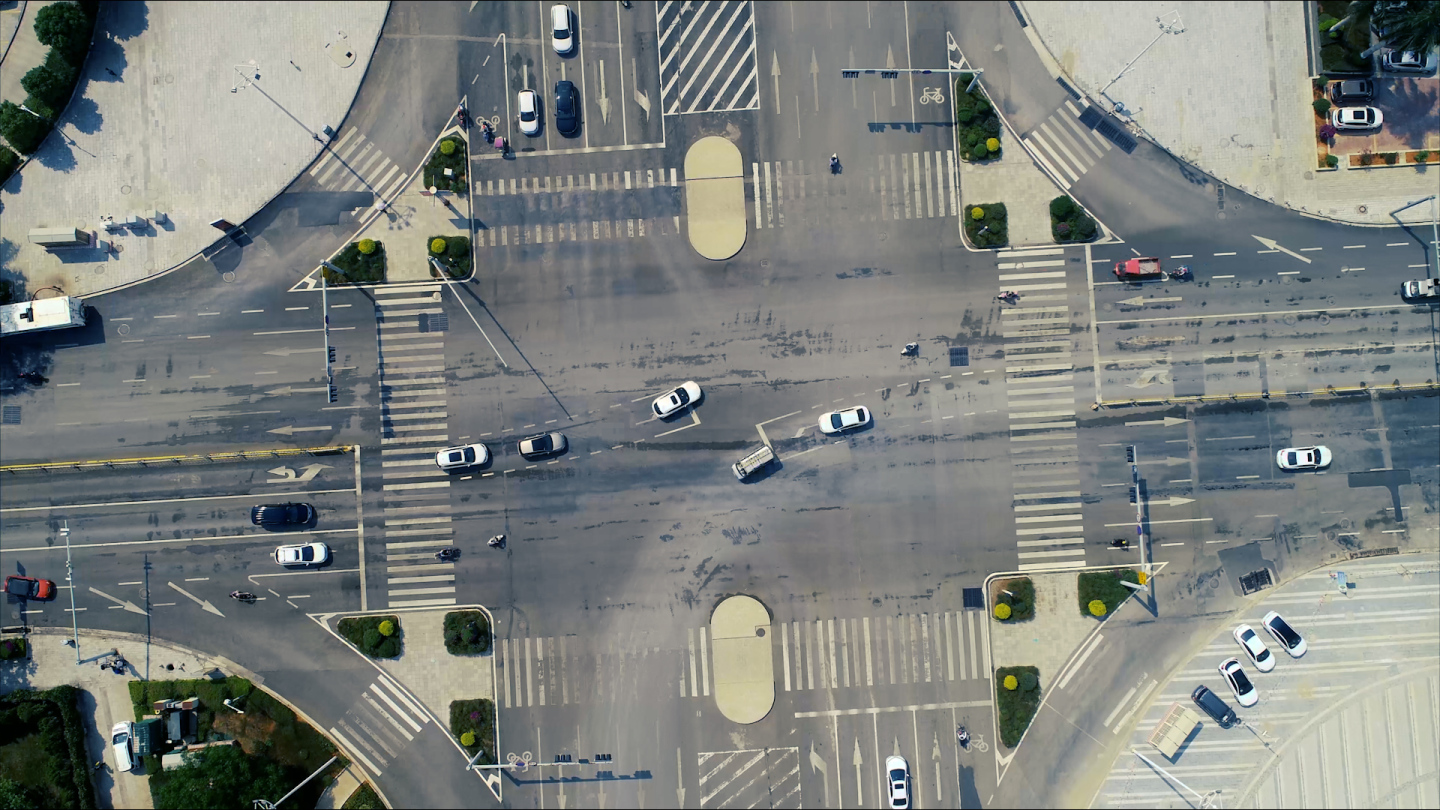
<point>1144,269</point>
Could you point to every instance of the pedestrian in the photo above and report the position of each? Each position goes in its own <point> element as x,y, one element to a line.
<point>292,64</point>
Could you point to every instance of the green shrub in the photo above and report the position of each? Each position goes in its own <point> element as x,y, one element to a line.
<point>1019,596</point>
<point>991,229</point>
<point>43,739</point>
<point>1332,161</point>
<point>66,28</point>
<point>366,246</point>
<point>980,152</point>
<point>1062,207</point>
<point>12,648</point>
<point>1016,701</point>
<point>468,739</point>
<point>992,144</point>
<point>364,632</point>
<point>1366,158</point>
<point>220,776</point>
<point>387,628</point>
<point>453,254</point>
<point>1321,106</point>
<point>24,131</point>
<point>9,162</point>
<point>1327,22</point>
<point>972,137</point>
<point>1420,157</point>
<point>364,798</point>
<point>977,213</point>
<point>437,246</point>
<point>448,154</point>
<point>475,717</point>
<point>52,81</point>
<point>1104,587</point>
<point>356,266</point>
<point>991,125</point>
<point>467,632</point>
<point>1391,158</point>
<point>447,147</point>
<point>1002,611</point>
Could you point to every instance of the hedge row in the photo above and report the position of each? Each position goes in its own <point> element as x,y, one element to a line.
<point>65,28</point>
<point>52,714</point>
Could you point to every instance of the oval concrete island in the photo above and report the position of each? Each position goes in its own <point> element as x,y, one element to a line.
<point>744,663</point>
<point>715,198</point>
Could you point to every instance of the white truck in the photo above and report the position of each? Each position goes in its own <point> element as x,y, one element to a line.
<point>1425,289</point>
<point>41,315</point>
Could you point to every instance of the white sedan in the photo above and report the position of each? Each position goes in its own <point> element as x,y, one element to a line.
<point>672,401</point>
<point>120,735</point>
<point>1259,654</point>
<point>1356,118</point>
<point>303,554</point>
<point>848,419</point>
<point>1234,675</point>
<point>898,772</point>
<point>466,455</point>
<point>529,112</point>
<point>1303,458</point>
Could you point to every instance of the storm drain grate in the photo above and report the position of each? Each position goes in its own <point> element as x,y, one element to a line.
<point>1090,117</point>
<point>972,598</point>
<point>10,415</point>
<point>435,323</point>
<point>1255,581</point>
<point>959,356</point>
<point>1117,136</point>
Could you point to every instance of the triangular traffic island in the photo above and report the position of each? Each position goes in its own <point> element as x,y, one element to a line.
<point>715,198</point>
<point>744,659</point>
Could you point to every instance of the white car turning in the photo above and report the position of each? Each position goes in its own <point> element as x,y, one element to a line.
<point>848,419</point>
<point>1303,458</point>
<point>672,401</point>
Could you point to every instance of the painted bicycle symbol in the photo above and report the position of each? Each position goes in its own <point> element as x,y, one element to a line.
<point>932,95</point>
<point>520,762</point>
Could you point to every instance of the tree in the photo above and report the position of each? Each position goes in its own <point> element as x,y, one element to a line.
<point>24,131</point>
<point>66,28</point>
<point>50,82</point>
<point>219,778</point>
<point>1412,26</point>
<point>15,796</point>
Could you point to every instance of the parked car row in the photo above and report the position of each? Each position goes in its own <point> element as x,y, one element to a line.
<point>1244,690</point>
<point>1351,97</point>
<point>567,110</point>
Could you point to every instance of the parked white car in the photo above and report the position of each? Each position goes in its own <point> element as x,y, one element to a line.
<point>1240,684</point>
<point>1259,654</point>
<point>1349,118</point>
<point>1286,636</point>
<point>1303,458</point>
<point>529,103</point>
<point>120,737</point>
<point>562,37</point>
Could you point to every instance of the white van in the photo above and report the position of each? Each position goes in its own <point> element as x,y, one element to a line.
<point>752,463</point>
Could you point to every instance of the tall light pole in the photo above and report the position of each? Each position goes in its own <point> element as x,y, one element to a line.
<point>1169,24</point>
<point>70,579</point>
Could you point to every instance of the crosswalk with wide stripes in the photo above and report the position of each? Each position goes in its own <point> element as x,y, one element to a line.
<point>413,413</point>
<point>580,207</point>
<point>353,163</point>
<point>1040,389</point>
<point>1066,145</point>
<point>380,724</point>
<point>810,655</point>
<point>707,56</point>
<point>908,185</point>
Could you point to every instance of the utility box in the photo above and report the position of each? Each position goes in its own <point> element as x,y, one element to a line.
<point>41,315</point>
<point>51,238</point>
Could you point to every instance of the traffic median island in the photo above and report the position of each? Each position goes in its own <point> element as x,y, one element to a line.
<point>376,636</point>
<point>360,262</point>
<point>467,632</point>
<point>472,722</point>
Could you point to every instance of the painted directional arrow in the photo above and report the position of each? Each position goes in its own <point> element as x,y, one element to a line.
<point>858,761</point>
<point>817,763</point>
<point>775,75</point>
<point>290,430</point>
<point>643,99</point>
<point>1140,301</point>
<point>815,77</point>
<point>1271,244</point>
<point>287,391</point>
<point>286,352</point>
<point>1169,421</point>
<point>287,475</point>
<point>604,97</point>
<point>1173,500</point>
<point>204,603</point>
<point>679,791</point>
<point>1169,461</point>
<point>130,606</point>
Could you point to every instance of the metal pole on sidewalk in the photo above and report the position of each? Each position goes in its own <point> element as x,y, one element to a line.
<point>70,578</point>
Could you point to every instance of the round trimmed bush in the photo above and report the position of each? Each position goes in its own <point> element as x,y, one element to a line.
<point>1062,207</point>
<point>1097,607</point>
<point>972,137</point>
<point>1010,683</point>
<point>991,126</point>
<point>458,247</point>
<point>980,152</point>
<point>1321,106</point>
<point>437,246</point>
<point>1002,611</point>
<point>468,739</point>
<point>1391,158</point>
<point>387,628</point>
<point>447,147</point>
<point>371,639</point>
<point>977,213</point>
<point>992,144</point>
<point>1029,681</point>
<point>366,246</point>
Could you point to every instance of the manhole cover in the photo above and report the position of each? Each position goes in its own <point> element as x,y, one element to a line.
<point>959,356</point>
<point>435,323</point>
<point>229,276</point>
<point>123,329</point>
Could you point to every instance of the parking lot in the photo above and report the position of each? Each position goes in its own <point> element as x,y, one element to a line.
<point>1411,108</point>
<point>1351,723</point>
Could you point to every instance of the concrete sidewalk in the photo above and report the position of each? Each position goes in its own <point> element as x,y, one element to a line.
<point>169,118</point>
<point>1230,94</point>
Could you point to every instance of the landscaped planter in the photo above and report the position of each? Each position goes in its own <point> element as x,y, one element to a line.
<point>376,636</point>
<point>1017,698</point>
<point>978,126</point>
<point>1101,592</point>
<point>986,225</point>
<point>452,253</point>
<point>361,262</point>
<point>1069,222</point>
<point>456,160</point>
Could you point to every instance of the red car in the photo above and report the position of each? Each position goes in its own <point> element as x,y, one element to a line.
<point>29,587</point>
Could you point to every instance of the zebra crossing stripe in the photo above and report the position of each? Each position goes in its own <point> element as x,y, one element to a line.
<point>352,749</point>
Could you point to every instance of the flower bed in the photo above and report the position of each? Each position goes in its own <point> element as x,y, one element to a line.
<point>1101,592</point>
<point>1069,222</point>
<point>1017,698</point>
<point>466,632</point>
<point>477,718</point>
<point>361,262</point>
<point>1381,160</point>
<point>453,253</point>
<point>454,159</point>
<point>1017,597</point>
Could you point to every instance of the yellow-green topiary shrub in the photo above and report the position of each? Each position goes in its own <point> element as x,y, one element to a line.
<point>1097,607</point>
<point>366,246</point>
<point>437,246</point>
<point>1010,683</point>
<point>387,628</point>
<point>447,147</point>
<point>1002,611</point>
<point>977,213</point>
<point>468,739</point>
<point>993,144</point>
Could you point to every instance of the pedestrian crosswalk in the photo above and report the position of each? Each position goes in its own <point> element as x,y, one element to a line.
<point>354,163</point>
<point>757,777</point>
<point>1040,388</point>
<point>1066,145</point>
<point>909,185</point>
<point>413,421</point>
<point>810,655</point>
<point>581,207</point>
<point>707,56</point>
<point>379,725</point>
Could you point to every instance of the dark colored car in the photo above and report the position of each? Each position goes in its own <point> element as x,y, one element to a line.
<point>283,514</point>
<point>29,587</point>
<point>1352,91</point>
<point>567,108</point>
<point>1212,705</point>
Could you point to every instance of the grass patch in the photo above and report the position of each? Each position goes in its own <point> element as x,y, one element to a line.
<point>457,161</point>
<point>43,761</point>
<point>1069,222</point>
<point>453,255</point>
<point>1019,596</point>
<point>1105,587</point>
<point>12,648</point>
<point>364,798</point>
<point>357,267</point>
<point>1016,706</point>
<point>369,633</point>
<point>466,632</point>
<point>477,717</point>
<point>978,125</point>
<point>990,229</point>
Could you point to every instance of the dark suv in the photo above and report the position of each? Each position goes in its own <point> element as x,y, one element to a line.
<point>567,108</point>
<point>1352,92</point>
<point>1218,709</point>
<point>282,514</point>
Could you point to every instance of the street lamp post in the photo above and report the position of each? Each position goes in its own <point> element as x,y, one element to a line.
<point>1171,26</point>
<point>70,579</point>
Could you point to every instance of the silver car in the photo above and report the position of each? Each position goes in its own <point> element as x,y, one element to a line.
<point>466,455</point>
<point>543,444</point>
<point>1408,62</point>
<point>120,736</point>
<point>303,554</point>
